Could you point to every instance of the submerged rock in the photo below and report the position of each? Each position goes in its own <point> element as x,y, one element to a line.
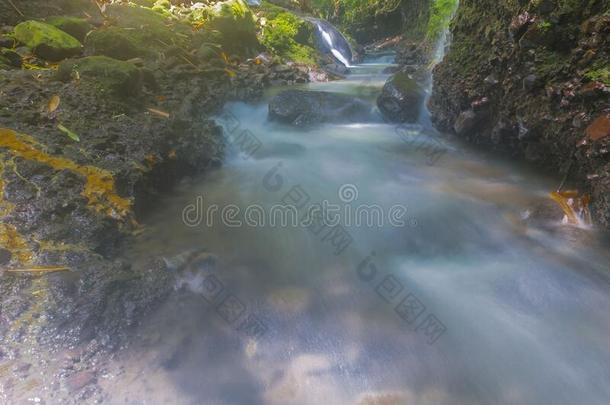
<point>46,41</point>
<point>304,108</point>
<point>401,99</point>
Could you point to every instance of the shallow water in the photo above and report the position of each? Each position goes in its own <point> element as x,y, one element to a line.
<point>498,312</point>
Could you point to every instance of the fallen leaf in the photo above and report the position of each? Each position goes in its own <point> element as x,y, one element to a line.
<point>70,134</point>
<point>53,103</point>
<point>224,57</point>
<point>600,128</point>
<point>574,206</point>
<point>42,269</point>
<point>158,112</point>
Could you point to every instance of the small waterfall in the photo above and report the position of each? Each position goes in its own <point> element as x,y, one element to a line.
<point>438,54</point>
<point>331,41</point>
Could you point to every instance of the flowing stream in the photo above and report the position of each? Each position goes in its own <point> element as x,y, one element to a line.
<point>460,303</point>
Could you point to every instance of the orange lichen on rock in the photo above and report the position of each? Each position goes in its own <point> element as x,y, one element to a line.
<point>10,239</point>
<point>574,206</point>
<point>99,186</point>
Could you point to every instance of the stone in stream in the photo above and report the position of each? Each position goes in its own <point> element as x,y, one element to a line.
<point>304,108</point>
<point>401,99</point>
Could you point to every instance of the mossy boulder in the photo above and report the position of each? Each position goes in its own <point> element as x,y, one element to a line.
<point>77,27</point>
<point>162,4</point>
<point>235,22</point>
<point>141,31</point>
<point>46,41</point>
<point>401,99</point>
<point>134,16</point>
<point>113,76</point>
<point>115,42</point>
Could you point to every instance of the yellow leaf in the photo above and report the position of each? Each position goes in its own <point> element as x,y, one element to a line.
<point>42,269</point>
<point>230,73</point>
<point>158,112</point>
<point>224,57</point>
<point>53,103</point>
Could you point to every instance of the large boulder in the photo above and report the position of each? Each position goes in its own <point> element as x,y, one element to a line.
<point>113,76</point>
<point>401,99</point>
<point>46,41</point>
<point>303,108</point>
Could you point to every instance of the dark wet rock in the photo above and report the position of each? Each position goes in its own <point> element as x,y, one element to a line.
<point>401,98</point>
<point>12,57</point>
<point>46,41</point>
<point>6,42</point>
<point>80,380</point>
<point>530,82</point>
<point>5,256</point>
<point>465,122</point>
<point>305,108</point>
<point>336,69</point>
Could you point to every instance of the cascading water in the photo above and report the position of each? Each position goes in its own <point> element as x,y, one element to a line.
<point>331,41</point>
<point>522,317</point>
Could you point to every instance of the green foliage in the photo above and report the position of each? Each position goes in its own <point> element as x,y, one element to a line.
<point>545,25</point>
<point>289,36</point>
<point>601,74</point>
<point>440,17</point>
<point>235,22</point>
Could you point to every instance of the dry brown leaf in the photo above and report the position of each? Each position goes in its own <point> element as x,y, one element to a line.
<point>158,112</point>
<point>53,103</point>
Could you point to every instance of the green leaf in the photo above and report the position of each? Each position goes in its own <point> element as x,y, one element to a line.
<point>70,134</point>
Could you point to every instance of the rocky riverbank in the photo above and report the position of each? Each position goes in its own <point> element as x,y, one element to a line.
<point>530,79</point>
<point>101,111</point>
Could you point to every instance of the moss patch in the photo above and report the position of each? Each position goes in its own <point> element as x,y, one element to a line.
<point>77,27</point>
<point>112,76</point>
<point>115,42</point>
